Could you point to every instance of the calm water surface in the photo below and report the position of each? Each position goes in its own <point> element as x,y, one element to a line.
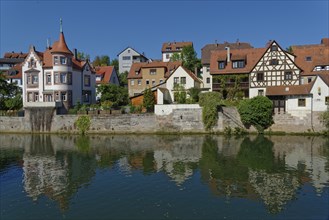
<point>163,177</point>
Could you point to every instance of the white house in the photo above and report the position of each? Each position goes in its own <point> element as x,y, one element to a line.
<point>180,76</point>
<point>300,100</point>
<point>56,78</point>
<point>106,75</point>
<point>129,56</point>
<point>169,48</point>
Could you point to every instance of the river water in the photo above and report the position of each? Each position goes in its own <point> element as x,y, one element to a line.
<point>163,177</point>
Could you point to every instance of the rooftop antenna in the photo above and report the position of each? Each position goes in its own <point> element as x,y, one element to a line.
<point>61,25</point>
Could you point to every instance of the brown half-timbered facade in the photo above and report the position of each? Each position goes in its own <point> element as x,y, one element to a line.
<point>275,68</point>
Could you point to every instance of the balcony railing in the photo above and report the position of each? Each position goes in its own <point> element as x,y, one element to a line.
<point>242,85</point>
<point>43,104</point>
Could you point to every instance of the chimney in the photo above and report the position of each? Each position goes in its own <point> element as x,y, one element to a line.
<point>216,43</point>
<point>75,53</point>
<point>228,54</point>
<point>196,71</point>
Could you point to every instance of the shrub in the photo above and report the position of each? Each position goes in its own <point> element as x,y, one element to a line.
<point>209,102</point>
<point>148,100</point>
<point>257,112</point>
<point>179,94</point>
<point>194,94</point>
<point>106,105</point>
<point>324,118</point>
<point>83,123</point>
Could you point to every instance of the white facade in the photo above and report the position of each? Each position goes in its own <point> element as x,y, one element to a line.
<point>166,56</point>
<point>181,77</point>
<point>59,85</point>
<point>127,57</point>
<point>275,68</point>
<point>206,77</point>
<point>320,91</point>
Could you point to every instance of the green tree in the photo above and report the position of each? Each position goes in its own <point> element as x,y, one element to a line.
<point>179,94</point>
<point>123,78</point>
<point>148,100</point>
<point>194,94</point>
<point>103,60</point>
<point>115,63</point>
<point>83,56</point>
<point>209,102</point>
<point>257,112</point>
<point>116,94</point>
<point>83,123</point>
<point>189,58</point>
<point>10,94</point>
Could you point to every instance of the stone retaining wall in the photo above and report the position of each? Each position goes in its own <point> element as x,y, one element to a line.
<point>181,120</point>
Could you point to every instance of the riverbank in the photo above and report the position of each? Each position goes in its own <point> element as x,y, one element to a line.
<point>180,121</point>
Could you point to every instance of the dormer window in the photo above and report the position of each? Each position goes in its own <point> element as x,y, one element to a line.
<point>274,48</point>
<point>136,72</point>
<point>238,64</point>
<point>153,71</point>
<point>168,48</point>
<point>221,64</point>
<point>308,58</point>
<point>274,62</point>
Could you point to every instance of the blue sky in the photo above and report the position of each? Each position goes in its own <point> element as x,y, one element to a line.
<point>108,27</point>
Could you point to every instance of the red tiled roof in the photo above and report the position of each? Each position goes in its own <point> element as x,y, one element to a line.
<point>136,67</point>
<point>174,46</point>
<point>192,75</point>
<point>206,50</point>
<point>324,75</point>
<point>251,55</point>
<point>18,69</point>
<point>60,46</point>
<point>319,54</point>
<point>15,55</point>
<point>105,72</point>
<point>289,90</point>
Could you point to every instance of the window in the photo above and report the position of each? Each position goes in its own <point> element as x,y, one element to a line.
<point>160,81</point>
<point>147,82</point>
<point>139,82</point>
<point>238,64</point>
<point>301,102</point>
<point>183,80</point>
<point>274,48</point>
<point>153,82</point>
<point>48,97</point>
<point>288,75</point>
<point>308,58</point>
<point>208,79</point>
<point>28,81</point>
<point>136,72</point>
<point>260,77</point>
<point>274,62</point>
<point>176,80</point>
<point>56,61</point>
<point>57,96</point>
<point>63,78</point>
<point>309,80</point>
<point>87,80</point>
<point>86,97</point>
<point>168,48</point>
<point>32,63</point>
<point>167,56</point>
<point>36,96</point>
<point>69,78</point>
<point>56,77</point>
<point>63,96</point>
<point>261,92</point>
<point>128,51</point>
<point>153,71</point>
<point>327,100</point>
<point>48,78</point>
<point>35,79</point>
<point>132,82</point>
<point>63,60</point>
<point>221,65</point>
<point>126,58</point>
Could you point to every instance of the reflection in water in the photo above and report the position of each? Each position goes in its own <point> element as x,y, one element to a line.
<point>270,169</point>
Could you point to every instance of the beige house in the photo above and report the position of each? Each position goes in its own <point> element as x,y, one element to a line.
<point>147,75</point>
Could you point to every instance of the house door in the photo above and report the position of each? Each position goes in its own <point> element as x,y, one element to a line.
<point>279,104</point>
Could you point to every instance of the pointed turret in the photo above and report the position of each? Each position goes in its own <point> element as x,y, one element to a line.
<point>60,46</point>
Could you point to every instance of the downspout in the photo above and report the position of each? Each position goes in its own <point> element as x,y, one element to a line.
<point>312,112</point>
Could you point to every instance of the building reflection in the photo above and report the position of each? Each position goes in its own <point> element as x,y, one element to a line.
<point>270,169</point>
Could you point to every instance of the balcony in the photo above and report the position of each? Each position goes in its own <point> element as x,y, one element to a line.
<point>242,85</point>
<point>42,104</point>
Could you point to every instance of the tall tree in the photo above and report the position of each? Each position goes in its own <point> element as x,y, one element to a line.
<point>103,60</point>
<point>115,63</point>
<point>189,58</point>
<point>83,56</point>
<point>116,94</point>
<point>148,100</point>
<point>10,94</point>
